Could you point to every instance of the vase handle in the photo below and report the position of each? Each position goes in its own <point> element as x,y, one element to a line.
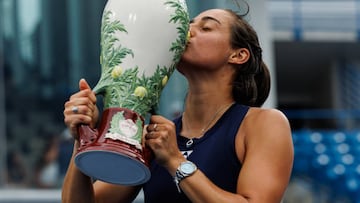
<point>87,135</point>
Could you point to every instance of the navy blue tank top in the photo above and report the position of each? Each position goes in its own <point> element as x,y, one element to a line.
<point>214,154</point>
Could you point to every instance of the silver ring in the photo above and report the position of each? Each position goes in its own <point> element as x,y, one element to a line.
<point>75,109</point>
<point>155,125</point>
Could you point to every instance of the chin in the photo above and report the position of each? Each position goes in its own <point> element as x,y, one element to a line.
<point>180,67</point>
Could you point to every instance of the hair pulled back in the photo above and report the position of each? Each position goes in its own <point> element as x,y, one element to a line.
<point>251,84</point>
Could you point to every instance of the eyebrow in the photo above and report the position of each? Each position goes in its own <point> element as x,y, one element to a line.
<point>207,18</point>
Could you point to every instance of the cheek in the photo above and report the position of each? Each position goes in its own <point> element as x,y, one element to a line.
<point>207,58</point>
<point>212,50</point>
<point>217,44</point>
<point>216,51</point>
<point>207,48</point>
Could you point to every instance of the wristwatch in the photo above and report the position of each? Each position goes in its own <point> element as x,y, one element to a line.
<point>186,169</point>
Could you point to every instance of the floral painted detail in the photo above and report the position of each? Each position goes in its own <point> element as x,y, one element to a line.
<point>125,87</point>
<point>125,130</point>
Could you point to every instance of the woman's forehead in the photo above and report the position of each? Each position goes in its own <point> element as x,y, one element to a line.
<point>218,14</point>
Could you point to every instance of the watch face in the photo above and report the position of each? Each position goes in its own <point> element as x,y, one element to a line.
<point>188,167</point>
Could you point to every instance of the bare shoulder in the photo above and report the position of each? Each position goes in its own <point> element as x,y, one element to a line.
<point>262,117</point>
<point>266,122</point>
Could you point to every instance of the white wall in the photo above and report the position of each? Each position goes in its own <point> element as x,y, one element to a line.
<point>260,20</point>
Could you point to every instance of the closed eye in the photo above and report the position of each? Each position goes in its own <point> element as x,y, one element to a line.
<point>206,28</point>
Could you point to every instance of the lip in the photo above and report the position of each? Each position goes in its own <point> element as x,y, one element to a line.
<point>187,46</point>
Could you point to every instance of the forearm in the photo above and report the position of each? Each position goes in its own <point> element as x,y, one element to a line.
<point>77,187</point>
<point>198,188</point>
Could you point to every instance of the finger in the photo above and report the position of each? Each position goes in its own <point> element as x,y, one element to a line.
<point>75,109</point>
<point>72,121</point>
<point>87,93</point>
<point>80,101</point>
<point>157,119</point>
<point>84,110</point>
<point>78,110</point>
<point>86,89</point>
<point>153,127</point>
<point>160,120</point>
<point>151,135</point>
<point>83,85</point>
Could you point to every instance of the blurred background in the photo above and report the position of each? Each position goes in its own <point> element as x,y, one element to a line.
<point>311,46</point>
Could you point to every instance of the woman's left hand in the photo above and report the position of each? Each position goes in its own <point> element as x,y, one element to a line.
<point>161,138</point>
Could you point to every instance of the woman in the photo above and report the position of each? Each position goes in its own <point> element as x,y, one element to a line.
<point>238,151</point>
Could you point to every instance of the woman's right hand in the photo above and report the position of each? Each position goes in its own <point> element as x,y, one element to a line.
<point>81,109</point>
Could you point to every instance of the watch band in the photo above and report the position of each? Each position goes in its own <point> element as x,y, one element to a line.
<point>185,169</point>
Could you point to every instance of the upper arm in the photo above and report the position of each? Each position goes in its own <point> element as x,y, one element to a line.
<point>110,193</point>
<point>268,156</point>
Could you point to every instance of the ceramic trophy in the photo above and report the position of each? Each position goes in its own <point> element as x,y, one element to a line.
<point>141,43</point>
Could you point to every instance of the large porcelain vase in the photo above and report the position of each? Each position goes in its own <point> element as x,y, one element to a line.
<point>141,43</point>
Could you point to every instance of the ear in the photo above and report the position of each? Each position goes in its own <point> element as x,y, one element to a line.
<point>239,56</point>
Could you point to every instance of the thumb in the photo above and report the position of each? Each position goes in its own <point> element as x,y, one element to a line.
<point>83,85</point>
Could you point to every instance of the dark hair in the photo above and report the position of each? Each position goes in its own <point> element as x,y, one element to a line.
<point>251,84</point>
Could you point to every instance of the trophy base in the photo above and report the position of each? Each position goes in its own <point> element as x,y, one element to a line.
<point>112,167</point>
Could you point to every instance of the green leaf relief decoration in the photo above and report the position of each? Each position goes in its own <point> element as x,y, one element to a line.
<point>126,88</point>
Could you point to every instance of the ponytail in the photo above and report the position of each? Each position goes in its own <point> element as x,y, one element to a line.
<point>251,84</point>
<point>263,84</point>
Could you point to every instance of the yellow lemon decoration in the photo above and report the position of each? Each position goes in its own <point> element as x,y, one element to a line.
<point>116,72</point>
<point>140,92</point>
<point>188,36</point>
<point>164,80</point>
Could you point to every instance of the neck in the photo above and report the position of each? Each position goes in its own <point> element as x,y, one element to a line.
<point>196,129</point>
<point>206,99</point>
<point>201,104</point>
